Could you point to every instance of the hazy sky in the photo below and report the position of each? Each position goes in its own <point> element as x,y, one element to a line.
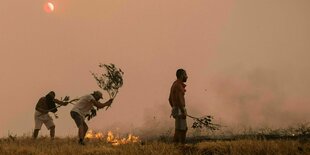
<point>247,61</point>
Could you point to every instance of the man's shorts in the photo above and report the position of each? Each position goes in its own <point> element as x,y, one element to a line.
<point>41,119</point>
<point>78,119</point>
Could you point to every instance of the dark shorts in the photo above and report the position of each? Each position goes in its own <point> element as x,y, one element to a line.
<point>78,119</point>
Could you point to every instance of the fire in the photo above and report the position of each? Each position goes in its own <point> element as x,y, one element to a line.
<point>93,135</point>
<point>115,140</point>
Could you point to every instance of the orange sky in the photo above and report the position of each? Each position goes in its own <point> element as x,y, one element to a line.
<point>246,61</point>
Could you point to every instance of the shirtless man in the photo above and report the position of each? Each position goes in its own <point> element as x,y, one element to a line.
<point>177,102</point>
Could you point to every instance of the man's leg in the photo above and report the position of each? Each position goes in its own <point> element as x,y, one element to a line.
<point>177,137</point>
<point>35,133</point>
<point>49,123</point>
<point>183,130</point>
<point>85,129</point>
<point>180,130</point>
<point>183,136</point>
<point>180,127</point>
<point>79,123</point>
<point>82,132</point>
<point>52,132</point>
<point>37,125</point>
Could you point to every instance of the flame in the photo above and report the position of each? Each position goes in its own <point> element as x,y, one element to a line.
<point>94,135</point>
<point>115,140</point>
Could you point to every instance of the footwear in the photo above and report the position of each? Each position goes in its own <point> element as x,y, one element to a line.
<point>81,142</point>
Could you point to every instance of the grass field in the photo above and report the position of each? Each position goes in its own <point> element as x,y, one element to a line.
<point>293,140</point>
<point>67,146</point>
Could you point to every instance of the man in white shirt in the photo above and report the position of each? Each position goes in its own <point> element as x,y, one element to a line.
<point>82,108</point>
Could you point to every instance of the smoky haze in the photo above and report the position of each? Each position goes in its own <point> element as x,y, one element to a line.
<point>247,61</point>
<point>261,77</point>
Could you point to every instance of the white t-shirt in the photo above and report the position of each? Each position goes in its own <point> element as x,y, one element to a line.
<point>84,105</point>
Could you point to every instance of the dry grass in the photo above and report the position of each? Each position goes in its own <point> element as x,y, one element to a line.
<point>67,146</point>
<point>259,147</point>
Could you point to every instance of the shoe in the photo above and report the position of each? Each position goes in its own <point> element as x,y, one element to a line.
<point>81,142</point>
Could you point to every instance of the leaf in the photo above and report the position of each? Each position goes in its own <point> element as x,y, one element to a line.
<point>110,80</point>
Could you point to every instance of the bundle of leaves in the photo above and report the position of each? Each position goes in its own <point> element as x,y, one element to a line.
<point>204,122</point>
<point>111,80</point>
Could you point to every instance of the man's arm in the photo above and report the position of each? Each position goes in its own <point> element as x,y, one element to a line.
<point>42,110</point>
<point>170,100</point>
<point>60,102</point>
<point>179,95</point>
<point>102,105</point>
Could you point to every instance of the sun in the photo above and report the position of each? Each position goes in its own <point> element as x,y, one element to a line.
<point>49,7</point>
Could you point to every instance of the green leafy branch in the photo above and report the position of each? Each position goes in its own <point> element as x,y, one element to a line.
<point>111,80</point>
<point>204,122</point>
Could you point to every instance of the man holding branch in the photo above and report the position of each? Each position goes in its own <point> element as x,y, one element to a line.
<point>46,104</point>
<point>82,108</point>
<point>177,102</point>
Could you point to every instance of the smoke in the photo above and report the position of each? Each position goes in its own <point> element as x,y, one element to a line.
<point>260,74</point>
<point>247,61</point>
<point>239,97</point>
<point>259,97</point>
<point>156,122</point>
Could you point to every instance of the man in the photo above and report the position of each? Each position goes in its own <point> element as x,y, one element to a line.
<point>46,104</point>
<point>82,108</point>
<point>177,102</point>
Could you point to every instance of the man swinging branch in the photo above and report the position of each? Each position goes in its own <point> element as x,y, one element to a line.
<point>45,105</point>
<point>82,108</point>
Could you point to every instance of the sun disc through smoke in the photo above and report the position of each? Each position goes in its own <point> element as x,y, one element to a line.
<point>49,7</point>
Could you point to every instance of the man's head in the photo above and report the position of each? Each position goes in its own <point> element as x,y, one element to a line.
<point>181,75</point>
<point>97,95</point>
<point>51,95</point>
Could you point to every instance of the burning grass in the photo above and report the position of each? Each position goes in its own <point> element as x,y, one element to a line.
<point>102,143</point>
<point>59,146</point>
<point>110,137</point>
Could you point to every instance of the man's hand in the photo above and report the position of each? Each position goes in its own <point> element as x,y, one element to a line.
<point>183,113</point>
<point>183,116</point>
<point>66,98</point>
<point>108,103</point>
<point>61,102</point>
<point>93,113</point>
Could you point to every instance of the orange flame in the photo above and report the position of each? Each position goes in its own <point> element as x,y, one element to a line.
<point>112,138</point>
<point>94,135</point>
